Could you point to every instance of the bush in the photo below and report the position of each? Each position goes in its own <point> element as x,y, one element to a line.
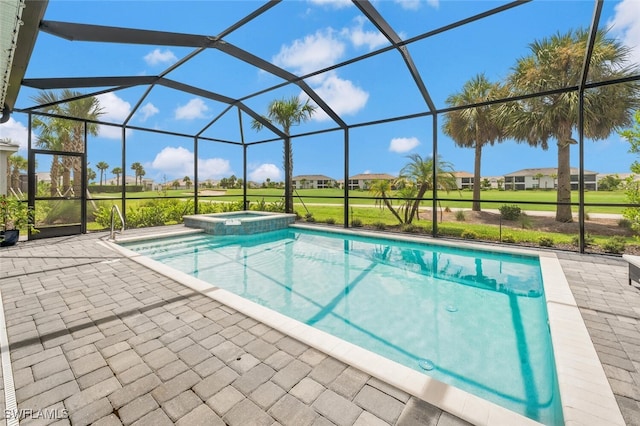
<point>510,212</point>
<point>309,217</point>
<point>447,209</point>
<point>469,235</point>
<point>624,223</point>
<point>525,221</point>
<point>546,242</point>
<point>615,245</point>
<point>508,238</point>
<point>588,240</point>
<point>380,226</point>
<point>331,221</point>
<point>410,228</point>
<point>356,223</point>
<point>460,216</point>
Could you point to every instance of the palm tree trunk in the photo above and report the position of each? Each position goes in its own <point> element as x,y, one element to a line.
<point>476,178</point>
<point>53,175</point>
<point>563,212</point>
<point>390,207</point>
<point>416,203</point>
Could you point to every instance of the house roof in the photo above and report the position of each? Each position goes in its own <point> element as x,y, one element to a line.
<point>312,177</point>
<point>546,171</point>
<point>462,174</point>
<point>372,176</point>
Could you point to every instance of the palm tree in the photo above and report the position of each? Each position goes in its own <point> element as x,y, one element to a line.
<point>381,188</point>
<point>70,133</point>
<point>136,167</point>
<point>102,166</point>
<point>187,181</point>
<point>475,127</point>
<point>53,136</point>
<point>17,164</point>
<point>117,171</point>
<point>91,174</point>
<point>554,63</point>
<point>419,173</point>
<point>287,113</point>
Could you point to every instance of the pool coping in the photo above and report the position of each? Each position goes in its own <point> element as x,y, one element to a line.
<point>586,395</point>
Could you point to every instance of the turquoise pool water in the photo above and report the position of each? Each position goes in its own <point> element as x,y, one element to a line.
<point>473,319</point>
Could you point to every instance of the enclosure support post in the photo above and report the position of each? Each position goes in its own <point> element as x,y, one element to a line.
<point>434,177</point>
<point>196,182</point>
<point>124,173</point>
<point>346,177</point>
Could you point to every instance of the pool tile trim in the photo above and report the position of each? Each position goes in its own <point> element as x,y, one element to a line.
<point>585,392</point>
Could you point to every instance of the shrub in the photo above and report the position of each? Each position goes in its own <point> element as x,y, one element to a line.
<point>460,216</point>
<point>411,228</point>
<point>330,221</point>
<point>624,223</point>
<point>508,238</point>
<point>381,226</point>
<point>447,209</point>
<point>510,212</point>
<point>588,240</point>
<point>525,221</point>
<point>546,242</point>
<point>469,235</point>
<point>309,217</point>
<point>356,223</point>
<point>615,245</point>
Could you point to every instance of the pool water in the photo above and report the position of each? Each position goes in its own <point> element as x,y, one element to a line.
<point>473,319</point>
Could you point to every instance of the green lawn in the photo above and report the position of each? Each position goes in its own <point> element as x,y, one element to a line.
<point>492,199</point>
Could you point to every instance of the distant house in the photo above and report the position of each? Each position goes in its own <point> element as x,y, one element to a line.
<point>364,180</point>
<point>547,178</point>
<point>464,180</point>
<point>313,182</point>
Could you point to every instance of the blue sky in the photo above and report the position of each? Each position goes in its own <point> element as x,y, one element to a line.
<point>302,37</point>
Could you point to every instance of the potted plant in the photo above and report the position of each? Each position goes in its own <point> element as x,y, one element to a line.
<point>14,215</point>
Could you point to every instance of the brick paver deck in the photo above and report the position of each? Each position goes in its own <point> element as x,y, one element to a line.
<point>109,342</point>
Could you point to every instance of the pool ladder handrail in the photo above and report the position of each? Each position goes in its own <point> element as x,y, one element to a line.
<point>115,209</point>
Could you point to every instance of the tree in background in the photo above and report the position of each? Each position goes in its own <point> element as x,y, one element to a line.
<point>287,113</point>
<point>609,183</point>
<point>475,127</point>
<point>17,163</point>
<point>63,134</point>
<point>102,166</point>
<point>117,171</point>
<point>138,171</point>
<point>419,173</point>
<point>555,63</point>
<point>632,185</point>
<point>187,181</point>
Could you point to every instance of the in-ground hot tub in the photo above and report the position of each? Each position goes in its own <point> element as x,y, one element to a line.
<point>239,223</point>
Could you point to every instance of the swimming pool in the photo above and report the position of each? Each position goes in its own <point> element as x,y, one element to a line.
<point>473,319</point>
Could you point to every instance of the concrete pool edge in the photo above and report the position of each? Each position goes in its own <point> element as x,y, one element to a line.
<point>585,392</point>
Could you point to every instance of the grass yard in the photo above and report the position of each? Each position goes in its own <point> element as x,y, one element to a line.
<point>492,199</point>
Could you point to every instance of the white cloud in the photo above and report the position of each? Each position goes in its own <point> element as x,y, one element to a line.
<point>115,110</point>
<point>195,108</point>
<point>342,96</point>
<point>160,57</point>
<point>336,4</point>
<point>17,132</point>
<point>264,171</point>
<point>178,162</point>
<point>360,37</point>
<point>416,4</point>
<point>314,52</point>
<point>402,145</point>
<point>148,110</point>
<point>626,25</point>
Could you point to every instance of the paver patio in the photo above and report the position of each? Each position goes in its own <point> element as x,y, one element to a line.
<point>107,341</point>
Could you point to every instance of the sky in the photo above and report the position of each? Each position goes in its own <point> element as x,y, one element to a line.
<point>302,37</point>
